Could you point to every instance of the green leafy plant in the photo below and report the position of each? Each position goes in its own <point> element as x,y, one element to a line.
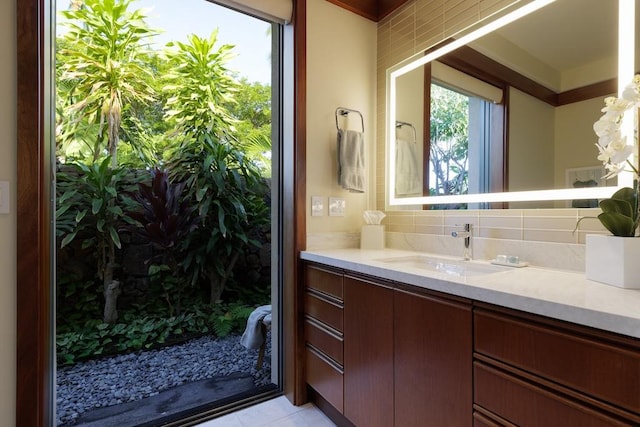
<point>620,212</point>
<point>134,332</point>
<point>89,206</point>
<point>198,86</point>
<point>225,187</point>
<point>220,180</point>
<point>232,319</point>
<point>449,141</point>
<point>102,70</point>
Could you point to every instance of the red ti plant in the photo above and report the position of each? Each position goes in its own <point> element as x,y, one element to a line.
<point>165,220</point>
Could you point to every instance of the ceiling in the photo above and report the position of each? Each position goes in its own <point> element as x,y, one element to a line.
<point>574,32</point>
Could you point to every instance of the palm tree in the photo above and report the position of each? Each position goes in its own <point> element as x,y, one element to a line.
<point>102,66</point>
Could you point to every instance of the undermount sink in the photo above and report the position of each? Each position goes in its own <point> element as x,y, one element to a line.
<point>444,265</point>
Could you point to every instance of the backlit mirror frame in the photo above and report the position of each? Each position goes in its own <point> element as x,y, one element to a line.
<point>626,50</point>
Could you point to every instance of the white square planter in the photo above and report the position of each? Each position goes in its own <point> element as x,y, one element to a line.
<point>613,260</point>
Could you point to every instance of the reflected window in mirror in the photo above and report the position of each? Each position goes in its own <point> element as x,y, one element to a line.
<point>466,132</point>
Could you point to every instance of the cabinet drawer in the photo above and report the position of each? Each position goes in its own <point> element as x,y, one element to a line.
<point>322,339</point>
<point>526,404</point>
<point>481,420</point>
<point>324,310</point>
<point>324,281</point>
<point>590,365</point>
<point>325,379</point>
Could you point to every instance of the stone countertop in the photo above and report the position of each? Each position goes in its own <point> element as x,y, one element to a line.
<point>558,294</point>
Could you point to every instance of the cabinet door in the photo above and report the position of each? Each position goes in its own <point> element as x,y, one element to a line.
<point>368,353</point>
<point>433,361</point>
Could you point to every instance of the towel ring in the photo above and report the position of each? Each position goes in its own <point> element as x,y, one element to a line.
<point>399,124</point>
<point>342,111</point>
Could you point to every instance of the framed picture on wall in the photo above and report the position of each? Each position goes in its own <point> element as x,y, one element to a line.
<point>590,176</point>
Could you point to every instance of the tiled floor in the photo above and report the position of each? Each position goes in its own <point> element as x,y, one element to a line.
<point>276,412</point>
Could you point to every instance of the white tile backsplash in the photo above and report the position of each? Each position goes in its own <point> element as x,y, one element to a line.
<point>542,237</point>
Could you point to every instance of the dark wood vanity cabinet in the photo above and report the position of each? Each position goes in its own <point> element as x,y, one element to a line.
<point>432,358</point>
<point>368,353</point>
<point>323,333</point>
<point>388,354</point>
<point>406,353</point>
<point>534,371</point>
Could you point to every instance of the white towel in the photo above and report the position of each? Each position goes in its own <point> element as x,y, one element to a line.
<point>252,337</point>
<point>407,170</point>
<point>351,171</point>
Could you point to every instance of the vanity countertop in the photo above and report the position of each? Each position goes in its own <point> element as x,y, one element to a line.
<point>558,294</point>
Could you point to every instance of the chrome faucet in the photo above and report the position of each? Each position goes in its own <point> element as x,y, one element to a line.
<point>466,235</point>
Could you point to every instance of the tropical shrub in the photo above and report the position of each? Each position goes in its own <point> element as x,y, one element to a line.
<point>165,220</point>
<point>135,332</point>
<point>90,206</point>
<point>220,180</point>
<point>225,187</point>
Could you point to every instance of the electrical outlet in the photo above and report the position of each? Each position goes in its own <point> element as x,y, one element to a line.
<point>317,206</point>
<point>337,206</point>
<point>4,197</point>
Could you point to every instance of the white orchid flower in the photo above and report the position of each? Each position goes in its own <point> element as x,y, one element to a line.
<point>605,126</point>
<point>631,92</point>
<point>613,170</point>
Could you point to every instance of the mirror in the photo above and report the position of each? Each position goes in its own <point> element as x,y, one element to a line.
<point>527,94</point>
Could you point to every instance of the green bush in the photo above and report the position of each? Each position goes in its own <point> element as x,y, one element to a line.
<point>96,338</point>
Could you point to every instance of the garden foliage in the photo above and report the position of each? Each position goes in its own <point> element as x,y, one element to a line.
<point>199,207</point>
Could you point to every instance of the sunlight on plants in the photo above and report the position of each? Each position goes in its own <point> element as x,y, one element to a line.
<point>162,185</point>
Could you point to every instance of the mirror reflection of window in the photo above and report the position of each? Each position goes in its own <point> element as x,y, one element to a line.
<point>449,142</point>
<point>461,135</point>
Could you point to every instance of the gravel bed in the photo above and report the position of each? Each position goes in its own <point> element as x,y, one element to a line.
<point>126,378</point>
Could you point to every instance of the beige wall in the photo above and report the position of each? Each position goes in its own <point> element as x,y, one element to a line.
<point>341,55</point>
<point>575,146</point>
<point>8,222</point>
<point>531,142</point>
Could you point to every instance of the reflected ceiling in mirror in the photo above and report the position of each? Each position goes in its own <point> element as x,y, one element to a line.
<point>564,57</point>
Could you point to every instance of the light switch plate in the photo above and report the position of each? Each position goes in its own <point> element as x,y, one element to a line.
<point>4,197</point>
<point>317,206</point>
<point>337,206</point>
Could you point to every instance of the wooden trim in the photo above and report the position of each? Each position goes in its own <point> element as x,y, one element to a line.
<point>583,93</point>
<point>34,375</point>
<point>294,217</point>
<point>365,8</point>
<point>387,7</point>
<point>332,413</point>
<point>486,69</point>
<point>482,67</point>
<point>374,10</point>
<point>426,132</point>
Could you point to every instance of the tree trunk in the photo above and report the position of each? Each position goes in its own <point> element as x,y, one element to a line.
<point>111,287</point>
<point>111,292</point>
<point>217,283</point>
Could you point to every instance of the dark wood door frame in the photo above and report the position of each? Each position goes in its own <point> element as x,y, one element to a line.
<point>35,346</point>
<point>34,375</point>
